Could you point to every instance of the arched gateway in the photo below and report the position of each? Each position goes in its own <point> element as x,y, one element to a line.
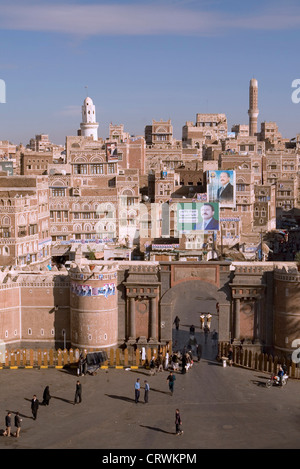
<point>196,303</point>
<point>155,294</point>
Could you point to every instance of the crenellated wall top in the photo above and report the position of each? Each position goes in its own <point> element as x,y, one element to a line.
<point>287,272</point>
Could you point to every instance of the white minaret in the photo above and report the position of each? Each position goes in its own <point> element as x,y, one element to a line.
<point>89,126</point>
<point>253,107</point>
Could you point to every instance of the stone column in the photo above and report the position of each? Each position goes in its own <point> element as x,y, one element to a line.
<point>132,332</point>
<point>257,320</point>
<point>153,319</point>
<point>237,319</point>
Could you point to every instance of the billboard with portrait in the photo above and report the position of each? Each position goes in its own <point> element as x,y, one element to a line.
<point>221,187</point>
<point>111,151</point>
<point>197,216</point>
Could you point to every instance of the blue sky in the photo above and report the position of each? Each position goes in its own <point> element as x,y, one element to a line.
<point>144,60</point>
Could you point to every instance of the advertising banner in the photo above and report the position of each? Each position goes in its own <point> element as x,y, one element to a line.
<point>197,216</point>
<point>221,187</point>
<point>111,151</point>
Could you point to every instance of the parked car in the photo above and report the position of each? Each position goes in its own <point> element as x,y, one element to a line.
<point>91,363</point>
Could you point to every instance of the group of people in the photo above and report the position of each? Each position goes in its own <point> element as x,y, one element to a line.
<point>34,405</point>
<point>185,359</point>
<point>137,391</point>
<point>8,423</point>
<point>171,381</point>
<point>34,409</point>
<point>206,328</point>
<point>178,359</point>
<point>159,363</point>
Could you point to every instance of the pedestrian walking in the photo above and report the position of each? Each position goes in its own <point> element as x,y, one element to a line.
<point>171,378</point>
<point>199,352</point>
<point>208,318</point>
<point>152,366</point>
<point>178,423</point>
<point>166,363</point>
<point>46,396</point>
<point>206,332</point>
<point>81,366</point>
<point>159,362</point>
<point>192,330</point>
<point>214,338</point>
<point>137,390</point>
<point>18,421</point>
<point>78,393</point>
<point>147,389</point>
<point>230,356</point>
<point>176,322</point>
<point>189,361</point>
<point>34,406</point>
<point>174,363</point>
<point>7,424</point>
<point>202,320</point>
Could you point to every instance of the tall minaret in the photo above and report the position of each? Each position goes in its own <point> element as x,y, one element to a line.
<point>89,126</point>
<point>253,109</point>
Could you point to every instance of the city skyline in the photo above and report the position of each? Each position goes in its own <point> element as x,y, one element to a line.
<point>159,60</point>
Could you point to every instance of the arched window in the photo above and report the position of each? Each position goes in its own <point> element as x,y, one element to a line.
<point>6,221</point>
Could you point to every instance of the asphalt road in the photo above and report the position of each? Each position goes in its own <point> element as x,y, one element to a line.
<point>221,408</point>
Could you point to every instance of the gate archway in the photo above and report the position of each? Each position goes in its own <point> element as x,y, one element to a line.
<point>189,300</point>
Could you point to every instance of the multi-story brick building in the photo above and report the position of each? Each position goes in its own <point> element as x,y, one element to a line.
<point>125,190</point>
<point>41,142</point>
<point>160,132</point>
<point>164,152</point>
<point>240,129</point>
<point>92,198</point>
<point>35,163</point>
<point>25,223</point>
<point>7,150</point>
<point>207,129</point>
<point>264,211</point>
<point>99,180</point>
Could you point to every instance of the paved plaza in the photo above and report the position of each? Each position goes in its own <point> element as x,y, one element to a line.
<point>221,407</point>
